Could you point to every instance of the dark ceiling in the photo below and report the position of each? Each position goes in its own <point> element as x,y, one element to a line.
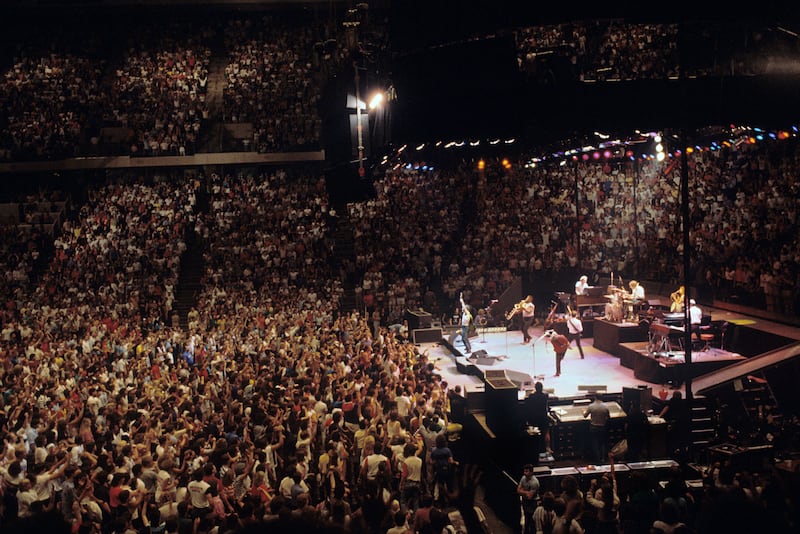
<point>456,76</point>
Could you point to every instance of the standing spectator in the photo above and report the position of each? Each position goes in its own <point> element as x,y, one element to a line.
<point>443,467</point>
<point>566,522</point>
<point>411,478</point>
<point>544,517</point>
<point>604,501</point>
<point>528,491</point>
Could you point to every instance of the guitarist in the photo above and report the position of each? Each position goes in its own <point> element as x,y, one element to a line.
<point>560,346</point>
<point>466,322</point>
<point>575,329</point>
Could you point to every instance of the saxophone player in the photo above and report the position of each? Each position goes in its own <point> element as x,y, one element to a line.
<point>528,310</point>
<point>676,300</point>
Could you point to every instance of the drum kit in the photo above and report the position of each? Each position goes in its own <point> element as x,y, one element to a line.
<point>619,306</point>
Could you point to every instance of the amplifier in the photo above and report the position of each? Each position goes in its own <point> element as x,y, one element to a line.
<point>426,335</point>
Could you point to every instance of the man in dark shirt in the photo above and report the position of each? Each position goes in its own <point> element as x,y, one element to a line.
<point>636,428</point>
<point>537,412</point>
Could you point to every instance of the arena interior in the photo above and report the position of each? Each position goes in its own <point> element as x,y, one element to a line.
<point>399,267</point>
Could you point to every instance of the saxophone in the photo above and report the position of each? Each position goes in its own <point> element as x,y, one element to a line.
<point>515,310</point>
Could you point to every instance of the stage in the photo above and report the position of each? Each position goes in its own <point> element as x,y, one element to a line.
<point>528,363</point>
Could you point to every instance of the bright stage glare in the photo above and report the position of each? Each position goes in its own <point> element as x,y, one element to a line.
<point>376,100</point>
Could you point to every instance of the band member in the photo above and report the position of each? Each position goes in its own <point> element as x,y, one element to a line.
<point>560,346</point>
<point>575,330</point>
<point>637,295</point>
<point>676,306</point>
<point>637,291</point>
<point>695,315</point>
<point>466,320</point>
<point>581,285</point>
<point>528,317</point>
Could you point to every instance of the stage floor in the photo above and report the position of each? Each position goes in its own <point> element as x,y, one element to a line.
<point>537,359</point>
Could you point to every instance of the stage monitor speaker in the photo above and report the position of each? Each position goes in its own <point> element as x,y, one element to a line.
<point>501,405</point>
<point>524,381</point>
<point>593,388</point>
<point>418,319</point>
<point>496,376</point>
<point>426,335</point>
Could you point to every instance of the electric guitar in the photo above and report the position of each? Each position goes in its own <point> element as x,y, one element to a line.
<point>549,321</point>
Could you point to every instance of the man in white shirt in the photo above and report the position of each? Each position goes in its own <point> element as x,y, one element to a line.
<point>199,494</point>
<point>695,313</point>
<point>581,285</point>
<point>575,330</point>
<point>411,478</point>
<point>466,321</point>
<point>528,317</point>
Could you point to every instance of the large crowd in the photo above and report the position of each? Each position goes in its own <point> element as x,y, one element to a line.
<point>597,51</point>
<point>159,91</point>
<point>143,90</point>
<point>275,405</point>
<point>150,97</point>
<point>272,83</point>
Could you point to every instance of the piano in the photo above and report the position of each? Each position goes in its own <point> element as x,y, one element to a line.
<point>592,296</point>
<point>665,338</point>
<point>675,319</point>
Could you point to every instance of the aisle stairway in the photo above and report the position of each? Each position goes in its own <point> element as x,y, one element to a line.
<point>214,130</point>
<point>192,266</point>
<point>344,258</point>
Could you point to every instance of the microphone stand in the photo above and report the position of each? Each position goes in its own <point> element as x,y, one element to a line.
<point>533,352</point>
